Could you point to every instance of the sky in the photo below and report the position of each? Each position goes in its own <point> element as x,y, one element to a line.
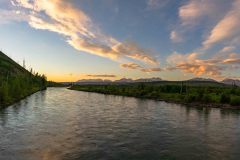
<point>68,40</point>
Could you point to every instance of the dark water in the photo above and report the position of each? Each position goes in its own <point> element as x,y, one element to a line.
<point>62,124</point>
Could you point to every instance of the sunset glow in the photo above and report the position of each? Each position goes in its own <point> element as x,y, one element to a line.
<point>112,39</point>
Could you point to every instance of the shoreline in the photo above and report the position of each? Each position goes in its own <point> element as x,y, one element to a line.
<point>2,106</point>
<point>190,104</point>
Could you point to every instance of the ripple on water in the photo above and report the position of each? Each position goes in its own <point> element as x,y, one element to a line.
<point>64,124</point>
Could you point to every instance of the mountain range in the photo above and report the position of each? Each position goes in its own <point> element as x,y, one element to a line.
<point>155,79</point>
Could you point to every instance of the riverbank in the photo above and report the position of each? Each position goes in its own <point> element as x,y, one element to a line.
<point>16,82</point>
<point>13,101</point>
<point>195,96</point>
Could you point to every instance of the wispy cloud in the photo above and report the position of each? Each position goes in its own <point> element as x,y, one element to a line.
<point>228,49</point>
<point>131,66</point>
<point>227,30</point>
<point>135,66</point>
<point>194,13</point>
<point>148,70</point>
<point>176,37</point>
<point>80,31</point>
<point>7,16</point>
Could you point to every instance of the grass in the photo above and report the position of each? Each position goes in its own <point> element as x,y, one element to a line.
<point>16,82</point>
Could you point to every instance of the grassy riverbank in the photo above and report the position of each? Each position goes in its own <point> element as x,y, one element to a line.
<point>209,94</point>
<point>16,82</point>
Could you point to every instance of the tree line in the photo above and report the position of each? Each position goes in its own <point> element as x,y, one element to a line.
<point>209,93</point>
<point>15,87</point>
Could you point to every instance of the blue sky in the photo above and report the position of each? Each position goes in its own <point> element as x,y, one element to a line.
<point>174,40</point>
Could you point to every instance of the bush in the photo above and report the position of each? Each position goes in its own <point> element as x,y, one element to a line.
<point>190,98</point>
<point>225,98</point>
<point>235,101</point>
<point>206,98</point>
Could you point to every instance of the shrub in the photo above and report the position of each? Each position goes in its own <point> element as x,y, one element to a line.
<point>225,98</point>
<point>235,101</point>
<point>190,98</point>
<point>206,98</point>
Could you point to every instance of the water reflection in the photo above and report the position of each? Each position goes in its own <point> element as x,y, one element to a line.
<point>64,124</point>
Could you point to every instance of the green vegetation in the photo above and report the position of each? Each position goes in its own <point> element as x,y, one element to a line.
<point>204,93</point>
<point>55,84</point>
<point>16,82</point>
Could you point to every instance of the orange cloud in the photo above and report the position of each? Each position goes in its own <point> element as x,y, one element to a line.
<point>141,68</point>
<point>131,66</point>
<point>191,63</point>
<point>151,70</point>
<point>62,17</point>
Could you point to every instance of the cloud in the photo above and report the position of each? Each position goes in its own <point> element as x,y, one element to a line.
<point>227,29</point>
<point>62,17</point>
<point>191,63</point>
<point>151,70</point>
<point>155,4</point>
<point>101,75</point>
<point>228,49</point>
<point>176,58</point>
<point>135,66</point>
<point>131,66</point>
<point>7,16</point>
<point>231,61</point>
<point>175,37</point>
<point>195,11</point>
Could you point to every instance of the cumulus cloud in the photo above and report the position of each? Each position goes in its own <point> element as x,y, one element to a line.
<point>191,63</point>
<point>227,29</point>
<point>62,17</point>
<point>135,66</point>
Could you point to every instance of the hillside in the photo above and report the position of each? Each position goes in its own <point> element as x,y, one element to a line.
<point>16,82</point>
<point>7,65</point>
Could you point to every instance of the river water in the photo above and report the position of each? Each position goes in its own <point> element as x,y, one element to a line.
<point>59,124</point>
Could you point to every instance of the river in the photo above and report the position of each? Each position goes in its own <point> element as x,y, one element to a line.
<point>61,124</point>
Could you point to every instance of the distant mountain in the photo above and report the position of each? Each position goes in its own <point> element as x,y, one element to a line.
<point>129,80</point>
<point>93,81</point>
<point>90,80</point>
<point>124,80</point>
<point>202,79</point>
<point>231,81</point>
<point>148,80</point>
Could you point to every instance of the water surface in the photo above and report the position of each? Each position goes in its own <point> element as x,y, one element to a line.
<point>60,124</point>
